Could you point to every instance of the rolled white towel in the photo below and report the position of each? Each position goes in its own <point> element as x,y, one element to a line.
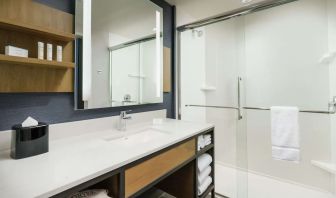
<point>204,186</point>
<point>94,193</point>
<point>204,174</point>
<point>203,162</point>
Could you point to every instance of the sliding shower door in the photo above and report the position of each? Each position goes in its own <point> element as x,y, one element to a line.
<point>212,59</point>
<point>289,57</point>
<point>284,56</point>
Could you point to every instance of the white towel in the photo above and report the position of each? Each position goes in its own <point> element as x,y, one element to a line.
<point>204,186</point>
<point>285,133</point>
<point>207,142</point>
<point>203,162</point>
<point>200,142</point>
<point>93,193</point>
<point>203,175</point>
<point>207,137</point>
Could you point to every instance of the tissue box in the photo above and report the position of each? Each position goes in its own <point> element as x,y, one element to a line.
<point>15,51</point>
<point>29,141</point>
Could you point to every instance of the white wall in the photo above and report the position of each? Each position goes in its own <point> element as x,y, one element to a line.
<point>193,74</point>
<point>332,48</point>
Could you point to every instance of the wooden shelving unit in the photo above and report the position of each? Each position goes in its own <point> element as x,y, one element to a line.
<point>24,23</point>
<point>41,31</point>
<point>35,62</point>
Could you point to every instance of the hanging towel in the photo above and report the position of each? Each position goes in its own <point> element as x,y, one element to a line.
<point>203,162</point>
<point>285,133</point>
<point>204,186</point>
<point>204,174</point>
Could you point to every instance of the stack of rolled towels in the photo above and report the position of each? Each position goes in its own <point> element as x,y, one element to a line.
<point>203,173</point>
<point>203,141</point>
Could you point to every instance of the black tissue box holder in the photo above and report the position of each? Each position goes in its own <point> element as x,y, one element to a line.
<point>29,141</point>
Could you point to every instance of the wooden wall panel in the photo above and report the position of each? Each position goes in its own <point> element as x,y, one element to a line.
<point>19,78</point>
<point>167,69</point>
<point>30,12</point>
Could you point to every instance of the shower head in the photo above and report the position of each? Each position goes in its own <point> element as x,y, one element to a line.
<point>199,33</point>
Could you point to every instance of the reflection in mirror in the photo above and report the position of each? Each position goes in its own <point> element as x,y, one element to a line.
<point>119,48</point>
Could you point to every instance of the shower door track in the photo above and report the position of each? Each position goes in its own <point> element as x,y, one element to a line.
<point>234,13</point>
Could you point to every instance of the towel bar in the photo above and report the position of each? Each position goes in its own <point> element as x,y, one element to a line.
<point>332,105</point>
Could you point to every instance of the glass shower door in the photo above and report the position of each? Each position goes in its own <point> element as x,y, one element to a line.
<point>211,60</point>
<point>285,56</point>
<point>286,64</point>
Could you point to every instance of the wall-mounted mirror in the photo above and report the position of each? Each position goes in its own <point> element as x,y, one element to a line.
<point>119,53</point>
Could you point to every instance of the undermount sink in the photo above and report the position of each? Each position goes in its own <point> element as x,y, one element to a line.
<point>142,136</point>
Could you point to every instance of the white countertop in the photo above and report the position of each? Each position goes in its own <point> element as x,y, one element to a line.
<point>75,160</point>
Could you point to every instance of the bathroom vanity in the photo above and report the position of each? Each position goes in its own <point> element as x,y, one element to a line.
<point>161,155</point>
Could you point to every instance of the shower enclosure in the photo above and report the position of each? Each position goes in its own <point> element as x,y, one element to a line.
<point>234,67</point>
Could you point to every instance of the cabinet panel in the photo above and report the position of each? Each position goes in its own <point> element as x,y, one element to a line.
<point>141,175</point>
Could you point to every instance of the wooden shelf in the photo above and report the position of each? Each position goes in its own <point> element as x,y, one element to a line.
<point>35,62</point>
<point>22,27</point>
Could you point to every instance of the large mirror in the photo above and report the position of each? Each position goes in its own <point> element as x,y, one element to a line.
<point>119,53</point>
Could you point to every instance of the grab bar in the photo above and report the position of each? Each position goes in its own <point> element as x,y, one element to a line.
<point>218,107</point>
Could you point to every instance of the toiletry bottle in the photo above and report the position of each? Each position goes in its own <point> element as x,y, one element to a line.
<point>49,52</point>
<point>59,53</point>
<point>40,51</point>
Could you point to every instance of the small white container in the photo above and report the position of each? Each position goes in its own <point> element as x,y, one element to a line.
<point>49,52</point>
<point>59,53</point>
<point>15,51</point>
<point>40,50</point>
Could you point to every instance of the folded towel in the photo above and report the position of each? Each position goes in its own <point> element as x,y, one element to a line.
<point>285,133</point>
<point>94,193</point>
<point>200,142</point>
<point>207,137</point>
<point>203,162</point>
<point>206,143</point>
<point>204,186</point>
<point>203,175</point>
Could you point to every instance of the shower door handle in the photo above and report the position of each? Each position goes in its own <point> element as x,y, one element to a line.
<point>240,109</point>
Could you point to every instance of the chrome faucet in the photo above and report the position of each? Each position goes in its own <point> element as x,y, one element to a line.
<point>123,120</point>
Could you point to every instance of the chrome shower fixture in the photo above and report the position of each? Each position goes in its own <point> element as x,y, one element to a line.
<point>199,33</point>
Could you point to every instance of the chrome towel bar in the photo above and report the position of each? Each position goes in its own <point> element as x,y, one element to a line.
<point>332,106</point>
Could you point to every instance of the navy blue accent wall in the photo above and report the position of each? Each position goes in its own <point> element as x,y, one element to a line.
<point>59,107</point>
<point>64,5</point>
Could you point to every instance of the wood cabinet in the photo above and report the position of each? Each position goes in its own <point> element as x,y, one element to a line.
<point>173,170</point>
<point>141,175</point>
<point>23,23</point>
